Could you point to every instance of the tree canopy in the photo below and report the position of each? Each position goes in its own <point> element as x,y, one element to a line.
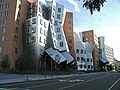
<point>93,5</point>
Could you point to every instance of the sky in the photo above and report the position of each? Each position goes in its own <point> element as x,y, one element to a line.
<point>105,23</point>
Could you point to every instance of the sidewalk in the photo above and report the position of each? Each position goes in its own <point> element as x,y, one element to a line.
<point>14,78</point>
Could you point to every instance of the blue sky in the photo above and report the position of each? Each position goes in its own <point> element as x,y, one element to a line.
<point>104,23</point>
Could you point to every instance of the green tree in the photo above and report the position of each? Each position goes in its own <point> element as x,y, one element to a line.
<point>25,63</point>
<point>5,64</point>
<point>93,5</point>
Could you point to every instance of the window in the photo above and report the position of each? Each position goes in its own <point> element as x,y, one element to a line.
<point>0,49</point>
<point>45,24</point>
<point>18,14</point>
<point>33,20</point>
<point>1,6</point>
<point>3,38</point>
<point>41,21</point>
<point>81,66</point>
<point>82,59</point>
<point>69,34</point>
<point>89,33</point>
<point>91,66</point>
<point>59,9</point>
<point>90,38</point>
<point>86,34</point>
<point>40,9</point>
<point>5,21</point>
<point>2,0</point>
<point>69,28</point>
<point>3,29</point>
<point>69,17</point>
<point>15,38</point>
<point>61,44</point>
<point>88,66</point>
<point>58,16</point>
<point>18,22</point>
<point>7,5</point>
<point>0,14</point>
<point>84,51</point>
<point>56,22</point>
<point>33,39</point>
<point>69,22</point>
<point>84,66</point>
<point>28,22</point>
<point>81,51</point>
<point>58,29</point>
<point>0,21</point>
<point>6,13</point>
<point>78,58</point>
<point>59,36</point>
<point>87,59</point>
<point>70,41</point>
<point>19,6</point>
<point>86,38</point>
<point>16,50</point>
<point>70,47</point>
<point>45,32</point>
<point>40,40</point>
<point>33,29</point>
<point>16,30</point>
<point>41,30</point>
<point>77,50</point>
<point>44,41</point>
<point>91,60</point>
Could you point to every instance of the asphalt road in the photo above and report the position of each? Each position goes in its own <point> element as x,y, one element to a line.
<point>97,81</point>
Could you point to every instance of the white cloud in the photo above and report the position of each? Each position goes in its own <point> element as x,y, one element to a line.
<point>112,36</point>
<point>77,9</point>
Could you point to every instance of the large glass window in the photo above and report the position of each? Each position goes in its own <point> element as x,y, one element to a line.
<point>70,41</point>
<point>7,5</point>
<point>0,14</point>
<point>58,16</point>
<point>69,34</point>
<point>18,21</point>
<point>5,21</point>
<point>16,50</point>
<point>58,29</point>
<point>2,0</point>
<point>16,30</point>
<point>77,50</point>
<point>3,29</point>
<point>1,6</point>
<point>61,44</point>
<point>70,47</point>
<point>59,9</point>
<point>69,22</point>
<point>78,58</point>
<point>59,36</point>
<point>0,49</point>
<point>6,13</point>
<point>69,17</point>
<point>69,28</point>
<point>3,38</point>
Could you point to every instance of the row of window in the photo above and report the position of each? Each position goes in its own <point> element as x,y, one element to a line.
<point>82,51</point>
<point>30,39</point>
<point>6,13</point>
<point>29,31</point>
<point>4,21</point>
<point>16,50</point>
<point>1,6</point>
<point>87,34</point>
<point>84,66</point>
<point>83,60</point>
<point>4,0</point>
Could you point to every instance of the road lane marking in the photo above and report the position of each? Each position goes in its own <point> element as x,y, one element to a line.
<point>114,84</point>
<point>82,82</point>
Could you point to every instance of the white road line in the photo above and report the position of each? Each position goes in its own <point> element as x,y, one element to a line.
<point>114,84</point>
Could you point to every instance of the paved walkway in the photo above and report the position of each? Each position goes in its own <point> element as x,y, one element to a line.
<point>13,78</point>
